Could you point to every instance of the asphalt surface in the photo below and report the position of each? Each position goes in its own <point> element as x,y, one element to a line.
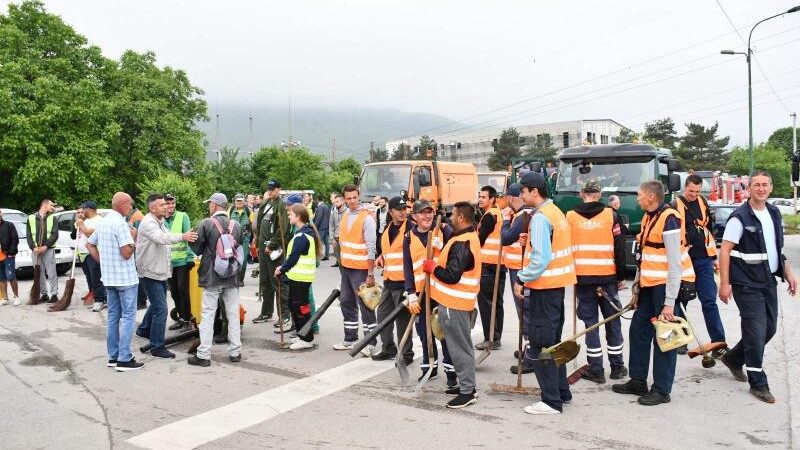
<point>58,393</point>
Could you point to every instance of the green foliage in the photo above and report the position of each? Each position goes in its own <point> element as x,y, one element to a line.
<point>628,136</point>
<point>75,125</point>
<point>792,224</point>
<point>543,148</point>
<point>661,133</point>
<point>380,154</point>
<point>701,149</point>
<point>402,152</point>
<point>507,148</point>
<point>426,143</point>
<point>782,139</point>
<point>230,173</point>
<point>765,157</point>
<point>189,197</point>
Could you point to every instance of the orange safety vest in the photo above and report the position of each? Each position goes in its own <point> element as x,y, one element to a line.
<point>418,255</point>
<point>701,223</point>
<point>393,254</point>
<point>491,246</point>
<point>353,248</point>
<point>462,295</point>
<point>653,263</point>
<point>593,243</point>
<point>512,254</point>
<point>561,271</point>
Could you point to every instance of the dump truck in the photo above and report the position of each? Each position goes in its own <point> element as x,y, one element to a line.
<point>620,169</point>
<point>497,180</point>
<point>440,182</point>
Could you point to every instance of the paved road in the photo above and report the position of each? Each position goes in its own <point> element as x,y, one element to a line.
<point>57,393</point>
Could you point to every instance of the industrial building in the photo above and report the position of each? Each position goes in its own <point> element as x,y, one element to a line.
<point>476,146</point>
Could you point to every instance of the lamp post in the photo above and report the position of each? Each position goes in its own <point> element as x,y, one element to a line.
<point>749,55</point>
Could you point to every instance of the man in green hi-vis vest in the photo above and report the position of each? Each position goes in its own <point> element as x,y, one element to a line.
<point>182,257</point>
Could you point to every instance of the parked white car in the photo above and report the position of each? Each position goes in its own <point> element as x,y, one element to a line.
<point>785,205</point>
<point>24,260</point>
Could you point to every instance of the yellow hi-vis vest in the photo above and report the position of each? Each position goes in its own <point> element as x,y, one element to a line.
<point>179,251</point>
<point>306,267</point>
<point>32,223</point>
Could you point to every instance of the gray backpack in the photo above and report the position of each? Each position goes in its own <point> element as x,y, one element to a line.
<point>229,254</point>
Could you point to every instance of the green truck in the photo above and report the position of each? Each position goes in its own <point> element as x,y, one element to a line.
<point>620,169</point>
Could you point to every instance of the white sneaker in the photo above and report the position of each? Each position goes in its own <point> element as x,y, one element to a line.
<point>301,345</point>
<point>368,351</point>
<point>3,302</point>
<point>97,306</point>
<point>294,339</point>
<point>17,301</point>
<point>343,346</point>
<point>541,408</point>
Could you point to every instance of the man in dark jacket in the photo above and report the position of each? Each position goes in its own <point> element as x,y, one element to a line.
<point>322,219</point>
<point>42,238</point>
<point>9,239</point>
<point>213,285</point>
<point>272,236</point>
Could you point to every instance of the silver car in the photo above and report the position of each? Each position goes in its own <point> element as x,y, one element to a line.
<point>24,259</point>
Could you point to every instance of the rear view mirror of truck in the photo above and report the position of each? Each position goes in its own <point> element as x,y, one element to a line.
<point>673,165</point>
<point>674,182</point>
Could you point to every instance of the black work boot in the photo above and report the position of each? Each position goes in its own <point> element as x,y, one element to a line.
<point>762,393</point>
<point>598,376</point>
<point>737,372</point>
<point>653,398</point>
<point>618,372</point>
<point>526,368</point>
<point>683,349</point>
<point>634,387</point>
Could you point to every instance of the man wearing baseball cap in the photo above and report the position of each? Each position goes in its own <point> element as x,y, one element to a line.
<point>272,235</point>
<point>548,273</point>
<point>598,248</point>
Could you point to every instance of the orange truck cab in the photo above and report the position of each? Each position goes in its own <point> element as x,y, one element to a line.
<point>440,182</point>
<point>497,180</point>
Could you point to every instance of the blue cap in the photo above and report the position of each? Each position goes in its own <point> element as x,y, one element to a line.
<point>294,198</point>
<point>514,190</point>
<point>89,205</point>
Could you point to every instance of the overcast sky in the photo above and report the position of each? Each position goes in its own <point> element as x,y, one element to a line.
<point>632,61</point>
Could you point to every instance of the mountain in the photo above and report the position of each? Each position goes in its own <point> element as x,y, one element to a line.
<point>353,128</point>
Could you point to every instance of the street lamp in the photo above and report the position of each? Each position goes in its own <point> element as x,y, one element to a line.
<point>748,56</point>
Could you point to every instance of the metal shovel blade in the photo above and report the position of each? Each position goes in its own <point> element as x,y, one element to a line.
<point>484,354</point>
<point>562,353</point>
<point>398,361</point>
<point>425,378</point>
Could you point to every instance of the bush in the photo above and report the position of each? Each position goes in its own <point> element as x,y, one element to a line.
<point>185,191</point>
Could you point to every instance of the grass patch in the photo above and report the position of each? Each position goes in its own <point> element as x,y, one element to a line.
<point>792,224</point>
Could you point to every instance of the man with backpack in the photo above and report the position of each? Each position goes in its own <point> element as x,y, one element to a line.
<point>219,244</point>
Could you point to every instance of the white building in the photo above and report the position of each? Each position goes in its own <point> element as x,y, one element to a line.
<point>476,146</point>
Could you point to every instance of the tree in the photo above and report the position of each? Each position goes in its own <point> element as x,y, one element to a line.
<point>661,133</point>
<point>628,136</point>
<point>230,173</point>
<point>765,157</point>
<point>426,143</point>
<point>701,149</point>
<point>543,148</point>
<point>403,151</point>
<point>188,195</point>
<point>380,154</point>
<point>782,139</point>
<point>507,148</point>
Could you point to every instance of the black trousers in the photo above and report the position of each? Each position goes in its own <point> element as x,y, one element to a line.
<point>759,311</point>
<point>485,300</point>
<point>300,307</point>
<point>546,309</point>
<point>179,290</point>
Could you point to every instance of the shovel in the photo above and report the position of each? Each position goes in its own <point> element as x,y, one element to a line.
<point>69,288</point>
<point>488,350</point>
<point>36,292</point>
<point>428,330</point>
<point>398,360</point>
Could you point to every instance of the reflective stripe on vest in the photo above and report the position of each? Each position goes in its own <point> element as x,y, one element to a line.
<point>593,243</point>
<point>418,256</point>
<point>393,254</point>
<point>352,246</point>
<point>32,222</point>
<point>179,251</point>
<point>306,267</point>
<point>653,267</point>
<point>462,295</point>
<point>512,254</point>
<point>701,223</point>
<point>491,246</point>
<point>561,271</point>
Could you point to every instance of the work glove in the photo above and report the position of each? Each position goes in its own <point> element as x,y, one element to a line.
<point>429,266</point>
<point>412,303</point>
<point>437,243</point>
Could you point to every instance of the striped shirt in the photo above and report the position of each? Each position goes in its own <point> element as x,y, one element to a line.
<point>111,233</point>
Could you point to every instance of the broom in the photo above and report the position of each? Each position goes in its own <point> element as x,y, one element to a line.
<point>69,288</point>
<point>35,291</point>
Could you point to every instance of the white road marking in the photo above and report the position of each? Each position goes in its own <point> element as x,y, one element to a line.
<point>225,420</point>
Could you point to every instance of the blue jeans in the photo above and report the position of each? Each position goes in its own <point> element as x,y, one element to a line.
<point>154,324</point>
<point>8,269</point>
<point>641,336</point>
<point>707,293</point>
<point>121,319</point>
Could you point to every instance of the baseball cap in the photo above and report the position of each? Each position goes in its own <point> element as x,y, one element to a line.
<point>273,184</point>
<point>238,197</point>
<point>534,180</point>
<point>591,187</point>
<point>170,197</point>
<point>421,205</point>
<point>397,203</point>
<point>219,198</point>
<point>514,190</point>
<point>292,199</point>
<point>89,205</point>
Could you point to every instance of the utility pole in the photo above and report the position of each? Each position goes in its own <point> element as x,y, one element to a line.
<point>333,150</point>
<point>371,151</point>
<point>250,140</point>
<point>794,155</point>
<point>219,152</point>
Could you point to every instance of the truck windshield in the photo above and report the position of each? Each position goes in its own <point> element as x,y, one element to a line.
<point>614,175</point>
<point>496,181</point>
<point>385,180</point>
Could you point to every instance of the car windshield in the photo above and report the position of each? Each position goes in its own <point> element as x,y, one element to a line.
<point>20,226</point>
<point>496,181</point>
<point>385,180</point>
<point>612,174</point>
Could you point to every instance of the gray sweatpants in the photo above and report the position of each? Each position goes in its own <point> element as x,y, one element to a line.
<point>456,325</point>
<point>48,283</point>
<point>230,297</point>
<point>351,304</point>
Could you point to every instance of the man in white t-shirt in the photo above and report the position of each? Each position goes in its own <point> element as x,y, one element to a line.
<point>84,227</point>
<point>750,259</point>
